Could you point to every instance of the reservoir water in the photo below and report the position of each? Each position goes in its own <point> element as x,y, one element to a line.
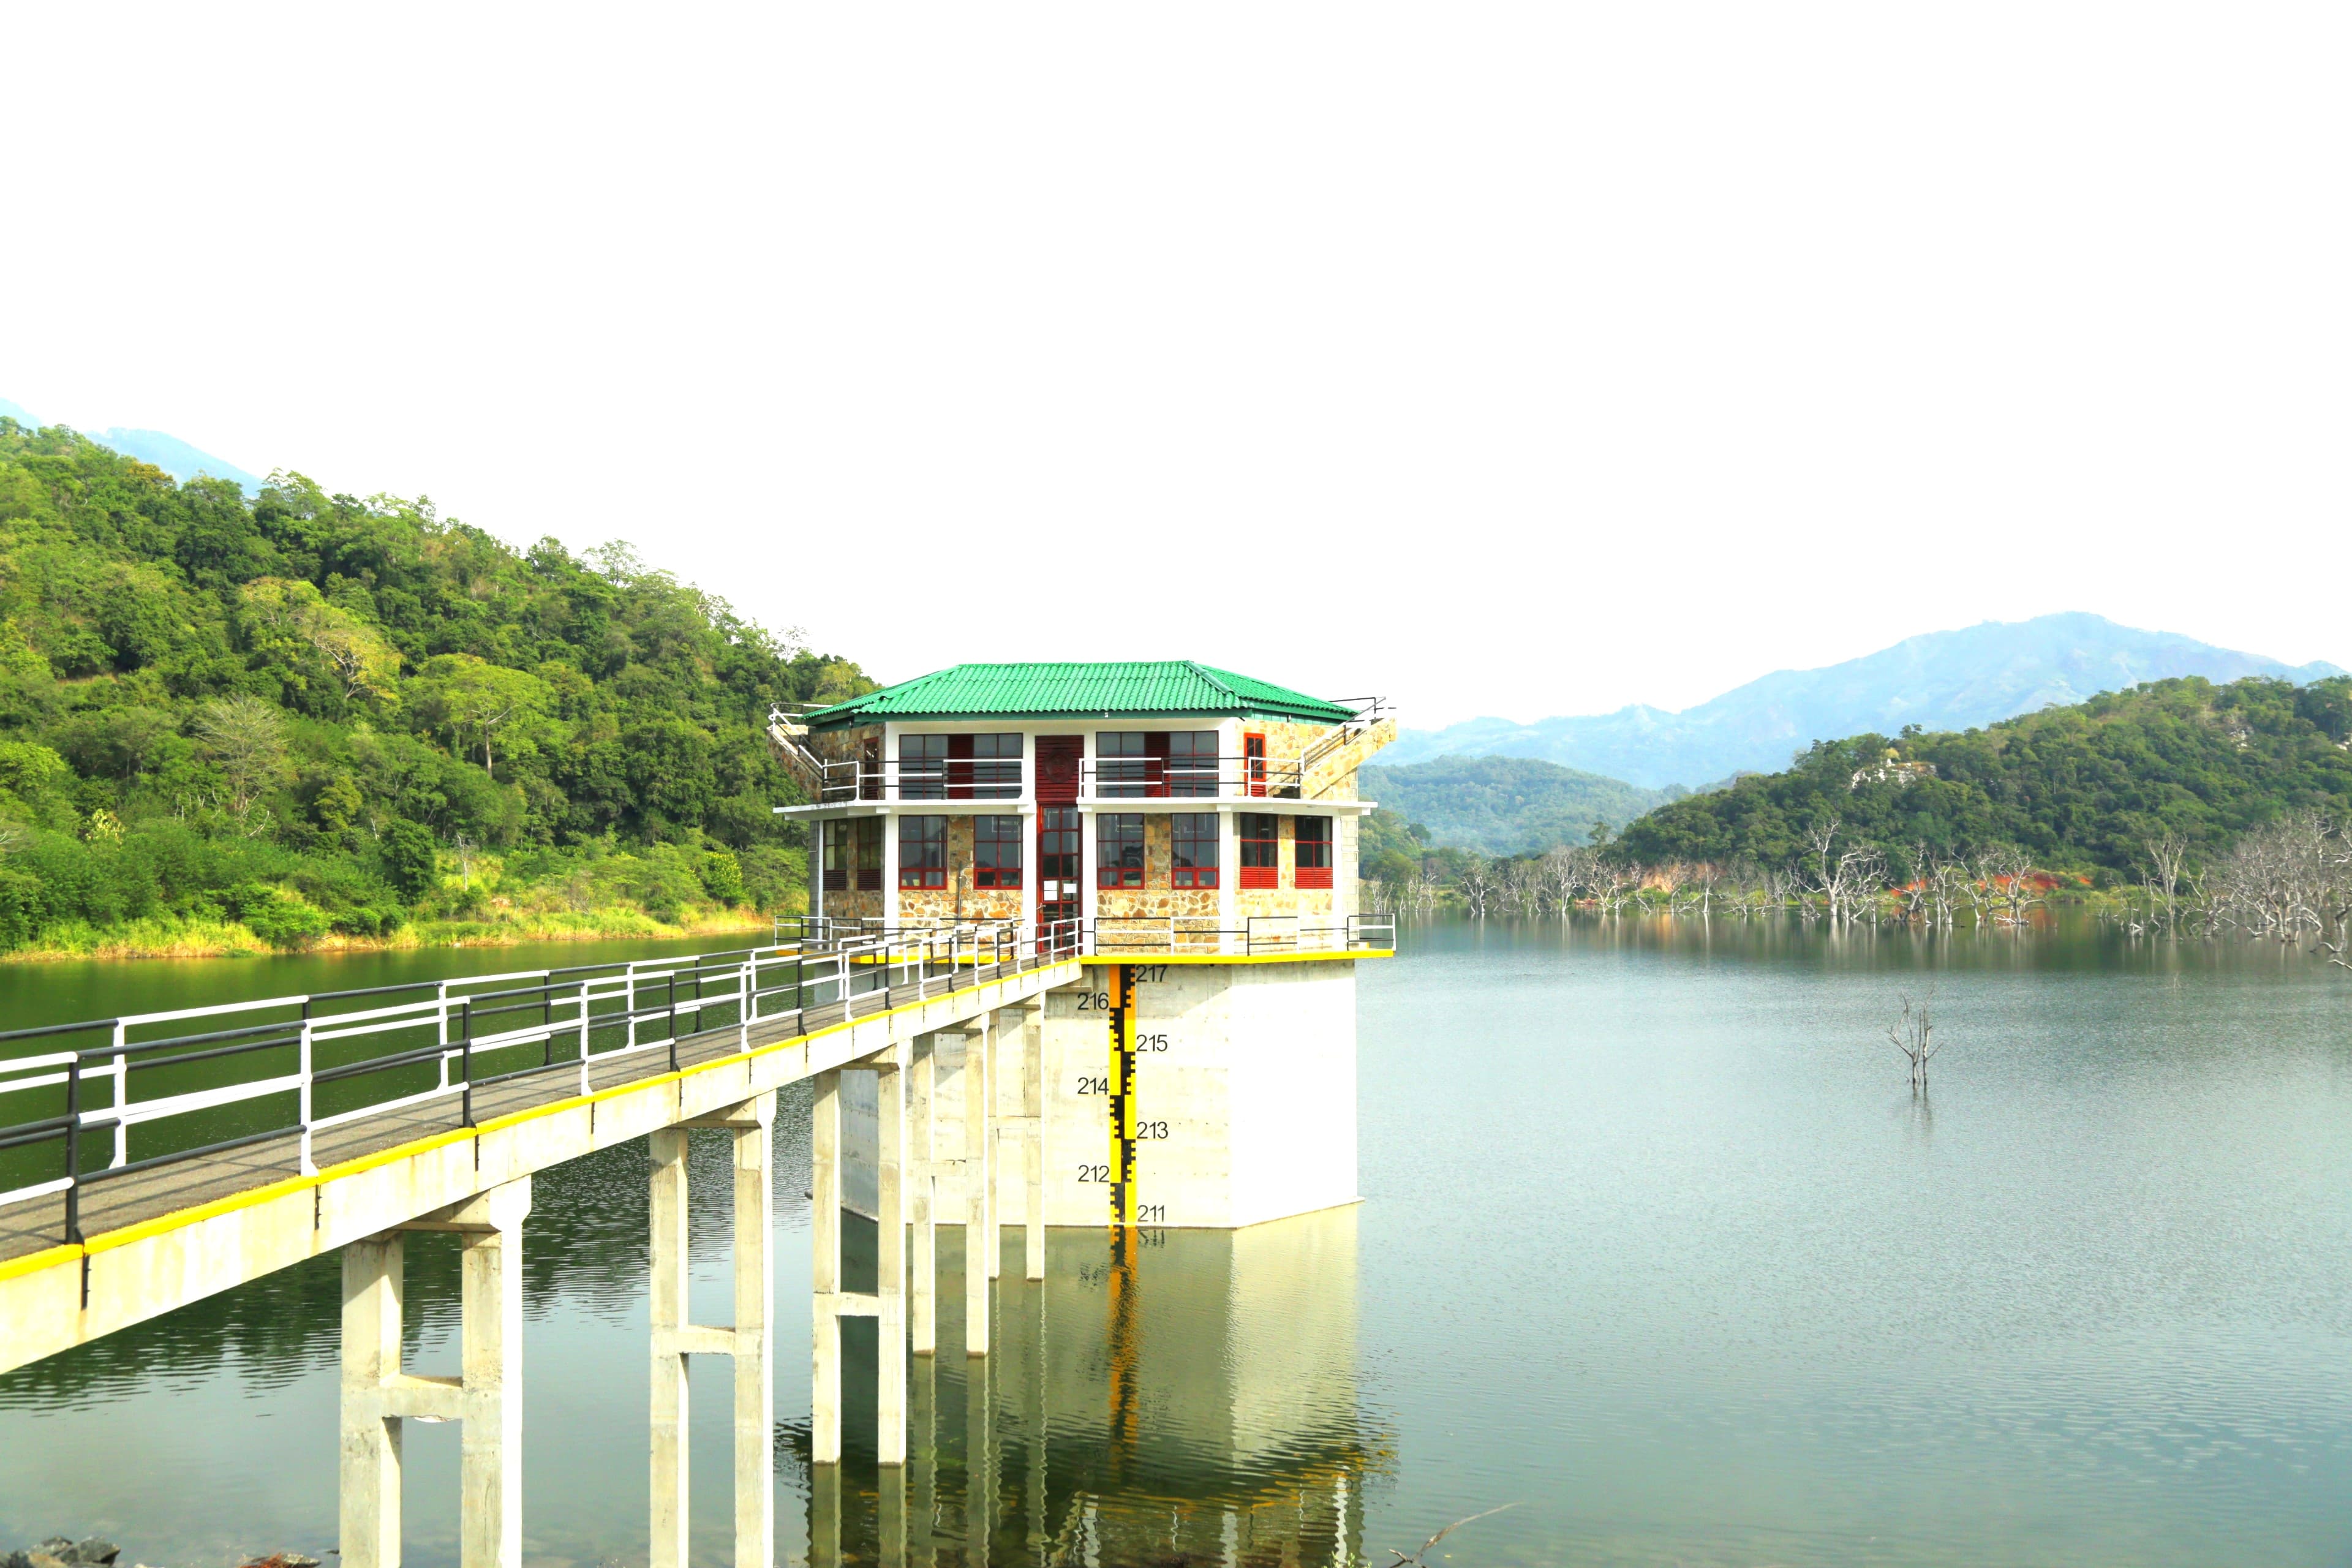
<point>1656,1246</point>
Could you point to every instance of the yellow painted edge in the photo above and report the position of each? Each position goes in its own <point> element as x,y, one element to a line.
<point>179,1219</point>
<point>33,1262</point>
<point>1148,959</point>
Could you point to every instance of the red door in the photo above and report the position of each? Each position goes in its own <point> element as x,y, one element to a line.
<point>1058,760</point>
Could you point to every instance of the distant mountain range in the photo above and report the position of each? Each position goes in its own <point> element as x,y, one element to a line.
<point>169,453</point>
<point>1942,681</point>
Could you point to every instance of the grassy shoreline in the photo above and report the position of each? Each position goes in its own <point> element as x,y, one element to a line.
<point>197,938</point>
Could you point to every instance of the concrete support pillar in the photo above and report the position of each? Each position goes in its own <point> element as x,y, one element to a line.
<point>824,1271</point>
<point>667,1262</point>
<point>922,1152</point>
<point>754,1337</point>
<point>486,1397</point>
<point>490,1464</point>
<point>980,1248</point>
<point>750,1341</point>
<point>370,1468</point>
<point>1033,1111</point>
<point>890,1263</point>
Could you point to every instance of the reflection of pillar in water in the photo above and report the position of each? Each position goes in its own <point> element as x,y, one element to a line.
<point>824,1516</point>
<point>980,1470</point>
<point>1202,1385</point>
<point>923,1445</point>
<point>1125,1351</point>
<point>890,1511</point>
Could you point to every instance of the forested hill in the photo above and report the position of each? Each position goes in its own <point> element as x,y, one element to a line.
<point>301,711</point>
<point>1506,806</point>
<point>2081,789</point>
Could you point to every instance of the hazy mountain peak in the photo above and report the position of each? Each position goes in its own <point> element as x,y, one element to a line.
<point>167,452</point>
<point>1957,680</point>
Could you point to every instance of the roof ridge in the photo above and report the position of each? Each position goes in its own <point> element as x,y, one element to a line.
<point>1215,677</point>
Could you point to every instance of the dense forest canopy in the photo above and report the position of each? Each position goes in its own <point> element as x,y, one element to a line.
<point>291,711</point>
<point>2084,789</point>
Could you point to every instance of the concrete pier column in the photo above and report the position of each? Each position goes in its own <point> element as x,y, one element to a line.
<point>890,1262</point>
<point>991,1085</point>
<point>488,1397</point>
<point>922,1152</point>
<point>980,1248</point>
<point>1032,1112</point>
<point>824,1271</point>
<point>370,1468</point>
<point>755,1315</point>
<point>489,1462</point>
<point>750,1341</point>
<point>667,1263</point>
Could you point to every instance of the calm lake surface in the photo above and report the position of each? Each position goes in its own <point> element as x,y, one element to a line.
<point>1656,1244</point>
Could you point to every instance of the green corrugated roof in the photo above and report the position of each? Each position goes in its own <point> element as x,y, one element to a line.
<point>1122,689</point>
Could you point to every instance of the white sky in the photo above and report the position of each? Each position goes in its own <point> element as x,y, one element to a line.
<point>1499,360</point>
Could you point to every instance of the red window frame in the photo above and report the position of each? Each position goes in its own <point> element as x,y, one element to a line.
<point>928,836</point>
<point>1261,839</point>
<point>837,853</point>
<point>1317,872</point>
<point>1192,831</point>
<point>1124,828</point>
<point>1253,765</point>
<point>865,853</point>
<point>999,839</point>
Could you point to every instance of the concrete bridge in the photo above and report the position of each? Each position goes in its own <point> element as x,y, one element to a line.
<point>429,1107</point>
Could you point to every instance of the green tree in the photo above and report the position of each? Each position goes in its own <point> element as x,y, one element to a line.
<point>411,861</point>
<point>471,697</point>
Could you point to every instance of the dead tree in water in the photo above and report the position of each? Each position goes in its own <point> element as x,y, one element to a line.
<point>1914,1035</point>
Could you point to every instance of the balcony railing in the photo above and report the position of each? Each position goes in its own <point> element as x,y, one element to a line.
<point>897,779</point>
<point>1190,778</point>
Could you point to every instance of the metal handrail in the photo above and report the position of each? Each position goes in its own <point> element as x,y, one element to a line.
<point>593,1012</point>
<point>1189,778</point>
<point>892,779</point>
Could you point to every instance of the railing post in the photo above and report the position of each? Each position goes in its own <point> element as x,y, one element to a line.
<point>671,990</point>
<point>441,999</point>
<point>73,1150</point>
<point>583,1037</point>
<point>122,1070</point>
<point>309,1165</point>
<point>465,1055</point>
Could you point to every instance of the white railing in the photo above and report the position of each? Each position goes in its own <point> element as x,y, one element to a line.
<point>343,1056</point>
<point>456,1038</point>
<point>1188,778</point>
<point>891,780</point>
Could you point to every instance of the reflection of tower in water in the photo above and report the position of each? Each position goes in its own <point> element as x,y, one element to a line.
<point>1163,1398</point>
